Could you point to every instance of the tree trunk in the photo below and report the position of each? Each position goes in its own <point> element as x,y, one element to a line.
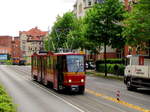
<point>105,59</point>
<point>149,48</point>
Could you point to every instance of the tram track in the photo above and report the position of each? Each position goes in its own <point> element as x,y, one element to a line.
<point>94,105</point>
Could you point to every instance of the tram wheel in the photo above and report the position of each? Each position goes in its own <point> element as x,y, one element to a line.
<point>81,89</point>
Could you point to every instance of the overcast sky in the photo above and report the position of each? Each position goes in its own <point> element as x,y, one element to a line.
<point>22,15</point>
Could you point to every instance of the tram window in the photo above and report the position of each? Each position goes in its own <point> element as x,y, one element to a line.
<point>75,63</point>
<point>64,65</point>
<point>36,61</point>
<point>49,62</point>
<point>33,61</point>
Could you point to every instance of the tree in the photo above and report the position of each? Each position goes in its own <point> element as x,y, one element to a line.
<point>137,24</point>
<point>49,44</point>
<point>61,29</point>
<point>103,25</point>
<point>76,38</point>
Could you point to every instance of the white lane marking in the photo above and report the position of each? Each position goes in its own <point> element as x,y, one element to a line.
<point>28,79</point>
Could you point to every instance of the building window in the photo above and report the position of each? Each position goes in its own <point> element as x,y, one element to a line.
<point>99,1</point>
<point>23,48</point>
<point>23,41</point>
<point>80,8</point>
<point>89,3</point>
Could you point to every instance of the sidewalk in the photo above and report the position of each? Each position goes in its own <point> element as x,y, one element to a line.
<point>98,74</point>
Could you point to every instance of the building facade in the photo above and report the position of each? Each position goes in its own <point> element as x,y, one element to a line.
<point>10,45</point>
<point>81,6</point>
<point>5,45</point>
<point>31,41</point>
<point>15,46</point>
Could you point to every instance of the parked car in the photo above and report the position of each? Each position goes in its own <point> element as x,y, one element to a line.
<point>90,65</point>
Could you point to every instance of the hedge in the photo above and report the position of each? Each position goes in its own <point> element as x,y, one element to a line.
<point>7,62</point>
<point>6,104</point>
<point>111,61</point>
<point>111,68</point>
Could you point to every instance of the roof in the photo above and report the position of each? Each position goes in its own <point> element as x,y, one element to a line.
<point>34,34</point>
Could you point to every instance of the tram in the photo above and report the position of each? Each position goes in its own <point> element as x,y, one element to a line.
<point>65,71</point>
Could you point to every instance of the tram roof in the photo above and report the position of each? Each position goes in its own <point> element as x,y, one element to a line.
<point>56,54</point>
<point>70,53</point>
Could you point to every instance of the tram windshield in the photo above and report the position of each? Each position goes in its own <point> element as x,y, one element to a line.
<point>75,63</point>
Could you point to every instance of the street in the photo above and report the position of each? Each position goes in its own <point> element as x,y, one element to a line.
<point>100,94</point>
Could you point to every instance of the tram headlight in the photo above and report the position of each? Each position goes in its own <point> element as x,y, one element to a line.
<point>69,80</point>
<point>82,80</point>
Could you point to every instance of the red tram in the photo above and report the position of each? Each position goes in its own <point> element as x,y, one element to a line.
<point>65,71</point>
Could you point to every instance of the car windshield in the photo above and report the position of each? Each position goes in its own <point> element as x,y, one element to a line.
<point>75,63</point>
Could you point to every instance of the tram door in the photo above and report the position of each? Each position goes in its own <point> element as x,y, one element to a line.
<point>43,68</point>
<point>58,77</point>
<point>39,68</point>
<point>60,71</point>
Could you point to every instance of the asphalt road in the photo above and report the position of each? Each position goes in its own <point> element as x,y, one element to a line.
<point>100,94</point>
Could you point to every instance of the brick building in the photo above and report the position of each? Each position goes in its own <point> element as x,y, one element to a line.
<point>16,51</point>
<point>10,45</point>
<point>5,45</point>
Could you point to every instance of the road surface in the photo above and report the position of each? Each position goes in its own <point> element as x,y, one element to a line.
<point>100,94</point>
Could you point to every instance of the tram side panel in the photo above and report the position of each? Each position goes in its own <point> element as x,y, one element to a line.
<point>34,68</point>
<point>54,69</point>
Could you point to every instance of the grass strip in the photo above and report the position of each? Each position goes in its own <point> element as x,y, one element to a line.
<point>94,73</point>
<point>6,104</point>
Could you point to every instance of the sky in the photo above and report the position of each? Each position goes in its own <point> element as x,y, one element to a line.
<point>22,15</point>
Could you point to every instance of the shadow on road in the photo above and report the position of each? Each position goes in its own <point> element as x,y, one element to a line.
<point>49,87</point>
<point>143,91</point>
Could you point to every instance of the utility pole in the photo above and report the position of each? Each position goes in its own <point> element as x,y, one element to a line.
<point>48,40</point>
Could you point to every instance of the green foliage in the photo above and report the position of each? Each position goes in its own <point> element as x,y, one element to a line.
<point>111,68</point>
<point>75,37</point>
<point>111,61</point>
<point>61,29</point>
<point>7,62</point>
<point>77,40</point>
<point>103,23</point>
<point>6,104</point>
<point>68,32</point>
<point>137,24</point>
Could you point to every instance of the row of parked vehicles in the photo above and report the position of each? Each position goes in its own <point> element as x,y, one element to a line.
<point>18,61</point>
